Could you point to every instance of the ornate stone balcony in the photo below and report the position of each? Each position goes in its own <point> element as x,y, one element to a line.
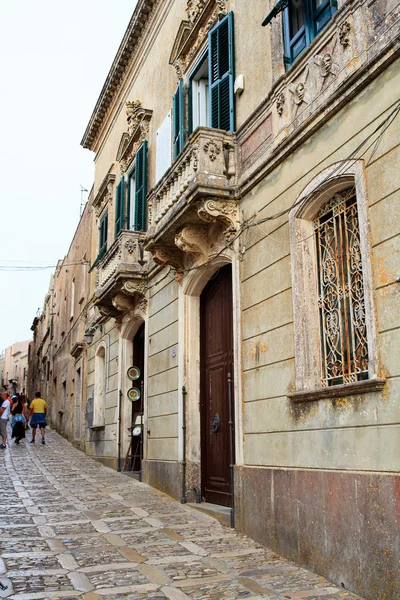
<point>197,191</point>
<point>120,273</point>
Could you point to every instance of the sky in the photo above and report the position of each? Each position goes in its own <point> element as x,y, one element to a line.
<point>54,58</point>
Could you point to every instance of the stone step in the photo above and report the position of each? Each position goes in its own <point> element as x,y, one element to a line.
<point>221,513</point>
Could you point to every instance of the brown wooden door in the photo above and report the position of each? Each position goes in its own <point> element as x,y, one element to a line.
<point>216,340</point>
<point>138,406</point>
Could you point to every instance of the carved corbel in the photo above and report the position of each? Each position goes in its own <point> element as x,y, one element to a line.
<point>121,302</point>
<point>194,239</point>
<point>224,211</point>
<point>167,256</point>
<point>134,287</point>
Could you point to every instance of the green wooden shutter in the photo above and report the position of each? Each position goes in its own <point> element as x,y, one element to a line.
<point>119,207</point>
<point>221,67</point>
<point>141,188</point>
<point>179,129</point>
<point>103,228</point>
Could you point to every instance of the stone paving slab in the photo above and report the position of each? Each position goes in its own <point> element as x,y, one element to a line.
<point>74,529</point>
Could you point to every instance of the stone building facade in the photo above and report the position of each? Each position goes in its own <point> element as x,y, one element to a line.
<point>58,365</point>
<point>14,368</point>
<point>243,314</point>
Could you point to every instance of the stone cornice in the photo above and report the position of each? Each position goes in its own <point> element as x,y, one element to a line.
<point>118,70</point>
<point>109,178</point>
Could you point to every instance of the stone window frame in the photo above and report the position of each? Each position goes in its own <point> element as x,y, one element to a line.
<point>99,408</point>
<point>332,180</point>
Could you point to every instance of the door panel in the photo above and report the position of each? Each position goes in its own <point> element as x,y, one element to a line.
<point>216,362</point>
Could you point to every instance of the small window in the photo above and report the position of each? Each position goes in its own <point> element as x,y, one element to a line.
<point>131,199</point>
<point>163,148</point>
<point>103,229</point>
<point>199,96</point>
<point>302,22</point>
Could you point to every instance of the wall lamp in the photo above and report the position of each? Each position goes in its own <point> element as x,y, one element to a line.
<point>89,333</point>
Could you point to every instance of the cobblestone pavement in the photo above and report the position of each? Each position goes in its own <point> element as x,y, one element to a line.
<point>72,528</point>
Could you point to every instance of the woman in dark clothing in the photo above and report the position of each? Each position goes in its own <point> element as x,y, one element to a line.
<point>18,422</point>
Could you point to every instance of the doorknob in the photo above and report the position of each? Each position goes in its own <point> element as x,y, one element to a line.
<point>215,424</point>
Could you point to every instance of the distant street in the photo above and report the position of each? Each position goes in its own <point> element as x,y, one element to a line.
<point>72,528</point>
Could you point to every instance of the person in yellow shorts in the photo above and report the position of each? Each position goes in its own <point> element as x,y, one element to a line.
<point>38,408</point>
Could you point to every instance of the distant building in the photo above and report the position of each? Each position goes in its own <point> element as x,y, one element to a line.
<point>242,303</point>
<point>15,368</point>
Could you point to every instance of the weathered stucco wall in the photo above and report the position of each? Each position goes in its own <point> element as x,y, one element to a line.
<point>162,390</point>
<point>101,443</point>
<point>328,469</point>
<point>355,433</point>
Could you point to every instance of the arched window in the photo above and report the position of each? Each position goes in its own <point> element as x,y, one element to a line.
<point>335,340</point>
<point>99,387</point>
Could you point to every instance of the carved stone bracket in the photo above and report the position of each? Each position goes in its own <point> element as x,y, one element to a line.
<point>223,211</point>
<point>169,256</point>
<point>194,239</point>
<point>134,287</point>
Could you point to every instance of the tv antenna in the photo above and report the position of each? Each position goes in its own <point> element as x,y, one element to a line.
<point>83,200</point>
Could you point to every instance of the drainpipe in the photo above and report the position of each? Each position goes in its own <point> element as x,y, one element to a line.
<point>119,430</point>
<point>183,495</point>
<point>231,450</point>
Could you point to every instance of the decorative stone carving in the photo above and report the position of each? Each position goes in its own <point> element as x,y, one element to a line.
<point>212,150</point>
<point>106,312</point>
<point>130,245</point>
<point>134,287</point>
<point>167,256</point>
<point>326,65</point>
<point>133,110</point>
<point>121,302</point>
<point>105,194</point>
<point>344,33</point>
<point>141,304</point>
<point>280,103</point>
<point>298,92</point>
<point>225,211</point>
<point>194,239</point>
<point>194,8</point>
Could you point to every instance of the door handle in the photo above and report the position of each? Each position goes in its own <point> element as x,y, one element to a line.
<point>215,424</point>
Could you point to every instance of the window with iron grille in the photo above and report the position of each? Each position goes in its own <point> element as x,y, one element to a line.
<point>344,348</point>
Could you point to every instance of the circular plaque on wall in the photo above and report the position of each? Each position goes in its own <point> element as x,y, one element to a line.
<point>133,373</point>
<point>134,394</point>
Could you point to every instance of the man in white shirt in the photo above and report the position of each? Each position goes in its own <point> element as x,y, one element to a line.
<point>5,410</point>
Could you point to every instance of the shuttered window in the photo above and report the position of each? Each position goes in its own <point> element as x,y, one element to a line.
<point>302,22</point>
<point>103,229</point>
<point>222,74</point>
<point>119,207</point>
<point>141,188</point>
<point>179,117</point>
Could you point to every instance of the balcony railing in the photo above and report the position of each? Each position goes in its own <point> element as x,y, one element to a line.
<point>121,262</point>
<point>207,163</point>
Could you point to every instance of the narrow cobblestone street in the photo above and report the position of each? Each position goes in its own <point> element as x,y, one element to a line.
<point>72,528</point>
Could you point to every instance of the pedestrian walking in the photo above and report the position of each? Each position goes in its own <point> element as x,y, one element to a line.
<point>19,421</point>
<point>38,409</point>
<point>4,414</point>
<point>26,412</point>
